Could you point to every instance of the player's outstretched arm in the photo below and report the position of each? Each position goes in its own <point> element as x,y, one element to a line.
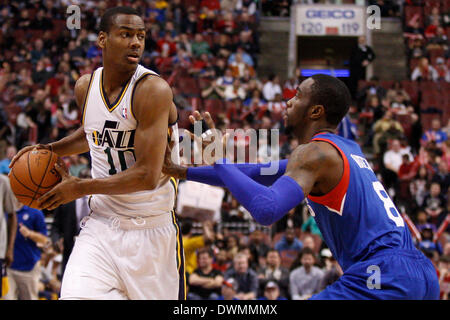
<point>207,174</point>
<point>152,101</point>
<point>305,170</point>
<point>75,143</point>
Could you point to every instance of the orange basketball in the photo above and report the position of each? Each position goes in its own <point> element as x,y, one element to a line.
<point>34,174</point>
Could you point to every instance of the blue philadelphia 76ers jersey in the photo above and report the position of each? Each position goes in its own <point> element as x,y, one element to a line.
<point>357,218</point>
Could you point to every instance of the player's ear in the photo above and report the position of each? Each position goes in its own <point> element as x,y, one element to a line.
<point>101,39</point>
<point>317,111</point>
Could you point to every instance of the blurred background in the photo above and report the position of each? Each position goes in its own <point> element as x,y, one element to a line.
<point>241,60</point>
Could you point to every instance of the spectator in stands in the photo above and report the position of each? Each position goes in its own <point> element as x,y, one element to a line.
<point>442,70</point>
<point>386,128</point>
<point>235,91</point>
<point>308,242</point>
<point>332,270</point>
<point>214,91</point>
<point>361,56</point>
<point>223,47</point>
<point>442,176</point>
<point>398,94</point>
<point>232,246</point>
<point>229,290</point>
<point>257,245</point>
<point>435,204</point>
<point>431,29</point>
<point>435,134</point>
<point>8,229</point>
<point>246,277</point>
<point>444,276</point>
<point>289,241</point>
<point>272,87</point>
<point>226,24</point>
<point>191,243</point>
<point>50,279</point>
<point>372,89</point>
<point>25,270</point>
<point>311,226</point>
<point>221,261</point>
<point>272,292</point>
<point>274,271</point>
<point>424,71</point>
<point>305,281</point>
<point>4,163</point>
<point>416,49</point>
<point>428,243</point>
<point>347,128</point>
<point>392,160</point>
<point>439,40</point>
<point>205,282</point>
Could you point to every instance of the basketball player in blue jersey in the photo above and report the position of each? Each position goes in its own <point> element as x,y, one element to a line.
<point>130,246</point>
<point>358,221</point>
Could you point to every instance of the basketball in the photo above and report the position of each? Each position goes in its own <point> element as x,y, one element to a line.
<point>34,174</point>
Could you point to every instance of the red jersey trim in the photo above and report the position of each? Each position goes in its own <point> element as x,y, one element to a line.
<point>335,199</point>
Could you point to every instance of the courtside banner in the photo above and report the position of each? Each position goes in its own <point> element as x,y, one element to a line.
<point>330,20</point>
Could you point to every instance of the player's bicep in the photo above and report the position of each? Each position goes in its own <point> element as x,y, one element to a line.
<point>153,99</point>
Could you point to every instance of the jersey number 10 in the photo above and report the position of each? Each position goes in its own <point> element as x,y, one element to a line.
<point>122,161</point>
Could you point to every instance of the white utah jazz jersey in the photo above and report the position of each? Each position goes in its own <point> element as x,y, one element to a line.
<point>110,130</point>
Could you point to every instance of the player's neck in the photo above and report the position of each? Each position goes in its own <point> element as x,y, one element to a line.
<point>307,134</point>
<point>113,78</point>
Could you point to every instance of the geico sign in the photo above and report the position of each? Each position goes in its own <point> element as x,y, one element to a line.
<point>330,14</point>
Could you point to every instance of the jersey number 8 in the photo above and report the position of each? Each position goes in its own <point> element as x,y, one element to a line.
<point>389,206</point>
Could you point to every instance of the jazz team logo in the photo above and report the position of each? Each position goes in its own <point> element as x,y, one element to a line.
<point>112,137</point>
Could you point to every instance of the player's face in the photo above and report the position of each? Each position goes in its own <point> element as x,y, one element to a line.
<point>297,107</point>
<point>125,41</point>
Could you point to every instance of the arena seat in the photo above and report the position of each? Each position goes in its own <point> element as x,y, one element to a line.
<point>214,107</point>
<point>288,257</point>
<point>187,85</point>
<point>412,88</point>
<point>411,12</point>
<point>387,84</point>
<point>188,3</point>
<point>435,53</point>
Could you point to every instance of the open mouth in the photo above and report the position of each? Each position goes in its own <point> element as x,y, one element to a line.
<point>133,57</point>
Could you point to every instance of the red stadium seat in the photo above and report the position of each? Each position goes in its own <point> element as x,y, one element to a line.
<point>214,107</point>
<point>413,12</point>
<point>188,86</point>
<point>412,88</point>
<point>188,3</point>
<point>387,84</point>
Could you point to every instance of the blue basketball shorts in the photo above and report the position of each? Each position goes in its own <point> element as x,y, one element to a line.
<point>390,274</point>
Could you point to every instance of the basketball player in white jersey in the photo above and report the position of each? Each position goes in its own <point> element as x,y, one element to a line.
<point>130,246</point>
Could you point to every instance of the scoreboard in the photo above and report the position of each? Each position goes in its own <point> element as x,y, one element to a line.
<point>330,20</point>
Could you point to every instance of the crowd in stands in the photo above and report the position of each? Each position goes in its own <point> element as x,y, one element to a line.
<point>208,52</point>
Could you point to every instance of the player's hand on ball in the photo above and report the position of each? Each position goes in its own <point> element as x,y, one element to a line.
<point>62,193</point>
<point>26,149</point>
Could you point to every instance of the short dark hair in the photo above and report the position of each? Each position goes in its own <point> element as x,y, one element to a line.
<point>106,21</point>
<point>307,250</point>
<point>333,95</point>
<point>205,250</point>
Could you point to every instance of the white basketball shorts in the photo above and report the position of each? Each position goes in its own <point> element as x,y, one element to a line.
<point>126,259</point>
